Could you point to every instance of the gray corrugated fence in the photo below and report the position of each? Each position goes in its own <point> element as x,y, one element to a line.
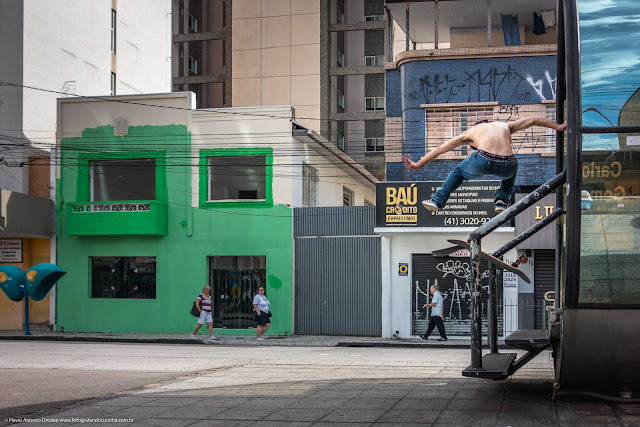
<point>334,221</point>
<point>337,272</point>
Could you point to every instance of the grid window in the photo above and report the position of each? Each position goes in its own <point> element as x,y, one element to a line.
<point>193,65</point>
<point>347,197</point>
<point>340,57</point>
<point>370,61</point>
<point>374,18</point>
<point>309,185</point>
<point>445,124</point>
<point>120,180</point>
<point>113,30</point>
<point>113,83</point>
<point>237,178</point>
<point>374,103</point>
<point>234,282</point>
<point>374,144</point>
<point>193,24</point>
<point>550,114</point>
<point>340,15</point>
<point>123,277</point>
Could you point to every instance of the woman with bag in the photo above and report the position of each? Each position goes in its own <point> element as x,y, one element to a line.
<point>203,304</point>
<point>262,313</point>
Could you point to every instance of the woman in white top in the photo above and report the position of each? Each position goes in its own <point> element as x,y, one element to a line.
<point>261,307</point>
<point>203,303</point>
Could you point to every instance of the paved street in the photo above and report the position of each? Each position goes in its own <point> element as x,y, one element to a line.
<point>149,384</point>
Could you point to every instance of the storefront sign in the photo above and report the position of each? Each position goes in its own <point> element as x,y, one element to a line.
<point>10,251</point>
<point>399,204</point>
<point>403,269</point>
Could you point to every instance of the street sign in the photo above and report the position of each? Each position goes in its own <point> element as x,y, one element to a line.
<point>403,269</point>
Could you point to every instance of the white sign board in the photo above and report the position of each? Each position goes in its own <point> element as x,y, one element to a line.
<point>509,279</point>
<point>11,251</point>
<point>633,140</point>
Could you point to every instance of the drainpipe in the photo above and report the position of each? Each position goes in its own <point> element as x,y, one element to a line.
<point>489,22</point>
<point>435,38</point>
<point>53,240</point>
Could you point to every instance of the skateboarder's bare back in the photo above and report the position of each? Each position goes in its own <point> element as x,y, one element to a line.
<point>493,156</point>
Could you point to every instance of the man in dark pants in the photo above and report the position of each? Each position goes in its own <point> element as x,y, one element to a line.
<point>437,317</point>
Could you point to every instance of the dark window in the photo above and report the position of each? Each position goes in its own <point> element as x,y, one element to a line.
<point>234,282</point>
<point>340,140</point>
<point>113,83</point>
<point>309,185</point>
<point>237,178</point>
<point>374,144</point>
<point>123,277</point>
<point>193,65</point>
<point>193,24</point>
<point>118,180</point>
<point>347,197</point>
<point>113,30</point>
<point>339,15</point>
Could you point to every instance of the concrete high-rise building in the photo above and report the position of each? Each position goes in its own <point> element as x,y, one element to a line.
<point>324,57</point>
<point>49,50</point>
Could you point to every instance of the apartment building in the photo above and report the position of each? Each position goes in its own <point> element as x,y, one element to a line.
<point>324,57</point>
<point>456,63</point>
<point>53,49</point>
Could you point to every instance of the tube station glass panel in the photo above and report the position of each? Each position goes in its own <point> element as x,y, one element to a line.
<point>610,193</point>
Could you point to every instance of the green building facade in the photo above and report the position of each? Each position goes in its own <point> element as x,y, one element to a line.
<point>138,246</point>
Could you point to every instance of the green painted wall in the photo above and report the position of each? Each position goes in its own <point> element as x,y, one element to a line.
<point>193,234</point>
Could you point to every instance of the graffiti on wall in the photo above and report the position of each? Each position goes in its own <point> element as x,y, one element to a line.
<point>453,276</point>
<point>497,84</point>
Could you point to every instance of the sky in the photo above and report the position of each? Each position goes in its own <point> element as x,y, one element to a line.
<point>610,63</point>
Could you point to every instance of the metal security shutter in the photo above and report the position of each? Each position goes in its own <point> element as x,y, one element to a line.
<point>451,276</point>
<point>544,271</point>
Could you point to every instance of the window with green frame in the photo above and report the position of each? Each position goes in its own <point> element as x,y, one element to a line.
<point>118,177</point>
<point>237,176</point>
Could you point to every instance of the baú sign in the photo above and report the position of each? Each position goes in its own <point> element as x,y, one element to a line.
<point>399,204</point>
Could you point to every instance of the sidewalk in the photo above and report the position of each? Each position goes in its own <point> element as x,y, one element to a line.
<point>239,340</point>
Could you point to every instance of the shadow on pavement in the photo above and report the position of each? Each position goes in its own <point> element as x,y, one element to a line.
<point>359,402</point>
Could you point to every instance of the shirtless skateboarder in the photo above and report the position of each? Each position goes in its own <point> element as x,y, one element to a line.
<point>493,156</point>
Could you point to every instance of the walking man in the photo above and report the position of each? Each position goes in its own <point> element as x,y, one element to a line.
<point>437,318</point>
<point>493,156</point>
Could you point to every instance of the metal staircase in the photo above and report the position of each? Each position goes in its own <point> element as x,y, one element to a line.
<point>495,365</point>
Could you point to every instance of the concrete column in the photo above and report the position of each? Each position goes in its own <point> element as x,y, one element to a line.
<point>385,266</point>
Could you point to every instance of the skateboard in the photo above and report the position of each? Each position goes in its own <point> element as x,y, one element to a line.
<point>488,257</point>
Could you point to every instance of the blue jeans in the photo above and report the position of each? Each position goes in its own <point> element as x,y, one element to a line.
<point>474,167</point>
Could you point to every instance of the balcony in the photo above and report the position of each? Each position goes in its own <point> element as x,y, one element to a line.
<point>133,218</point>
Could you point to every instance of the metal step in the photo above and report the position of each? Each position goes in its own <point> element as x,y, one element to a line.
<point>529,339</point>
<point>495,366</point>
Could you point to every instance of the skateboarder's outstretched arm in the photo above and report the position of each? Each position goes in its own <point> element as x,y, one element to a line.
<point>525,123</point>
<point>433,154</point>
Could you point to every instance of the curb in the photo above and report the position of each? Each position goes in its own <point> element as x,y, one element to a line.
<point>222,341</point>
<point>454,346</point>
<point>100,339</point>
